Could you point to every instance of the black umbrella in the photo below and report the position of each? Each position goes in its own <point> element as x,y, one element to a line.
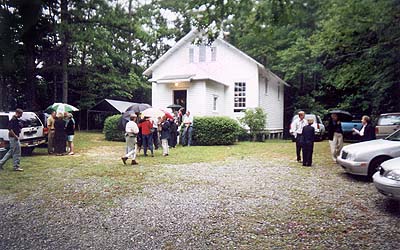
<point>174,106</point>
<point>138,108</point>
<point>342,115</point>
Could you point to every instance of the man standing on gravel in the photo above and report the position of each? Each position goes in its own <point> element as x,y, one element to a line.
<point>296,129</point>
<point>308,142</point>
<point>131,131</point>
<point>50,127</point>
<point>14,129</point>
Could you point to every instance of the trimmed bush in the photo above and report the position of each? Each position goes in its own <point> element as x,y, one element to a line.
<point>216,130</point>
<point>111,131</point>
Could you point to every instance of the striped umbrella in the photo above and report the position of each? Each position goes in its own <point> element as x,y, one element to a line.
<point>61,107</point>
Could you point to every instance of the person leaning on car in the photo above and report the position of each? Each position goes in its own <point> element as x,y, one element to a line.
<point>367,132</point>
<point>296,129</point>
<point>14,129</point>
<point>50,126</point>
<point>335,136</point>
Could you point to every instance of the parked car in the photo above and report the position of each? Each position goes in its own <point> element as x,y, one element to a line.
<point>31,133</point>
<point>318,125</point>
<point>364,158</point>
<point>43,118</point>
<point>386,124</point>
<point>387,179</point>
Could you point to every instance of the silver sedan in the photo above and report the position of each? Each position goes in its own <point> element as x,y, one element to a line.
<point>387,180</point>
<point>364,158</point>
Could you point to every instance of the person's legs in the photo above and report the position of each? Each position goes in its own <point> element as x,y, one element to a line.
<point>145,143</point>
<point>164,143</point>
<point>305,154</point>
<point>298,147</point>
<point>190,136</point>
<point>16,152</point>
<point>5,158</point>
<point>339,145</point>
<point>184,136</point>
<point>150,141</point>
<point>310,154</point>
<point>50,142</point>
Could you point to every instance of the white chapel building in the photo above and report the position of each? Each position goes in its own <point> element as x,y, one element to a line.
<point>216,80</point>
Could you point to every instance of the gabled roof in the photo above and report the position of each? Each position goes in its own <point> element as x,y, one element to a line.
<point>108,105</point>
<point>193,34</point>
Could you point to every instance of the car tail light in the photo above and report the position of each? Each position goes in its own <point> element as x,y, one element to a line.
<point>317,125</point>
<point>376,130</point>
<point>46,130</point>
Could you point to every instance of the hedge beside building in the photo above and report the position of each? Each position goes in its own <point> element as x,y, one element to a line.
<point>215,130</point>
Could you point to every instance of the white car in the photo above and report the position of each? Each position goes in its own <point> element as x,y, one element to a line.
<point>364,158</point>
<point>387,180</point>
<point>31,132</point>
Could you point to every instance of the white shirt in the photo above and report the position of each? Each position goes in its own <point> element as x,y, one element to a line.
<point>361,132</point>
<point>297,127</point>
<point>131,128</point>
<point>188,120</point>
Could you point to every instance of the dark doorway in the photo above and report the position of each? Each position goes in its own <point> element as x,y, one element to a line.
<point>180,97</point>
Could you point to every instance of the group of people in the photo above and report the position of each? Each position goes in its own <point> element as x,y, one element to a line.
<point>147,133</point>
<point>61,131</point>
<point>304,134</point>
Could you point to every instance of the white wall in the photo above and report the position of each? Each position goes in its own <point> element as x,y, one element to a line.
<point>215,90</point>
<point>270,102</point>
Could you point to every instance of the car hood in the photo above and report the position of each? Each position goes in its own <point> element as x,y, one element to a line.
<point>391,164</point>
<point>371,146</point>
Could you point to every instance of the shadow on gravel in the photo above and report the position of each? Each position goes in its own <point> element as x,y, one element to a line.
<point>357,178</point>
<point>388,206</point>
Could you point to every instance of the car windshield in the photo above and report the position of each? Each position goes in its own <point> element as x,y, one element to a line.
<point>389,120</point>
<point>30,120</point>
<point>394,137</point>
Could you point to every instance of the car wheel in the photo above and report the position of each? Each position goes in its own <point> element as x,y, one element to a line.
<point>374,165</point>
<point>27,151</point>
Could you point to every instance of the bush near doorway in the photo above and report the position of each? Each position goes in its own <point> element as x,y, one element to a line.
<point>216,130</point>
<point>111,131</point>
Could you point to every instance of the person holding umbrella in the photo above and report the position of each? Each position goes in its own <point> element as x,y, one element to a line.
<point>131,131</point>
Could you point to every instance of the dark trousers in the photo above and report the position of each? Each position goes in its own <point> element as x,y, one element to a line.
<point>156,140</point>
<point>147,143</point>
<point>308,149</point>
<point>298,146</point>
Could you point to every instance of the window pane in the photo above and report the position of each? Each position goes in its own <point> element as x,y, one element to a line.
<point>191,55</point>
<point>213,54</point>
<point>202,53</point>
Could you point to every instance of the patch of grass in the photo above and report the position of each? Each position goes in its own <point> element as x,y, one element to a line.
<point>96,167</point>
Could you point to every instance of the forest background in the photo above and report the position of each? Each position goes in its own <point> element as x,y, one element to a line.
<point>335,54</point>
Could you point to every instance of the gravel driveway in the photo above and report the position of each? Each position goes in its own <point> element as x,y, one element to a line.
<point>234,204</point>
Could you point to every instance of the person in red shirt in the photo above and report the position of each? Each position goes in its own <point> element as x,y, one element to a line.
<point>147,135</point>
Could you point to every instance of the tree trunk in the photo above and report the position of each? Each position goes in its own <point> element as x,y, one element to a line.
<point>64,49</point>
<point>30,76</point>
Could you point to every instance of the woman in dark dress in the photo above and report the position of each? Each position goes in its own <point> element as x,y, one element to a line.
<point>59,135</point>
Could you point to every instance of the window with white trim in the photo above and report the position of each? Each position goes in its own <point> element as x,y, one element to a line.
<point>191,55</point>
<point>213,54</point>
<point>240,96</point>
<point>202,53</point>
<point>215,100</point>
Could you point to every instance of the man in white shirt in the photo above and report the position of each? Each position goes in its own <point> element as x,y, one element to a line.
<point>187,133</point>
<point>131,131</point>
<point>296,129</point>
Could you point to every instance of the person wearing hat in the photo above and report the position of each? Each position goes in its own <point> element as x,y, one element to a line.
<point>308,138</point>
<point>131,131</point>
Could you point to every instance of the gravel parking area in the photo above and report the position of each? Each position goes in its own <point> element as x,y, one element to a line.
<point>235,204</point>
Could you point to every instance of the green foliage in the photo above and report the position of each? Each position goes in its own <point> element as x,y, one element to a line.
<point>111,131</point>
<point>215,130</point>
<point>255,119</point>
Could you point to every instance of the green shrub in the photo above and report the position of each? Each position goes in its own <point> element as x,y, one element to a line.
<point>215,130</point>
<point>255,120</point>
<point>111,131</point>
